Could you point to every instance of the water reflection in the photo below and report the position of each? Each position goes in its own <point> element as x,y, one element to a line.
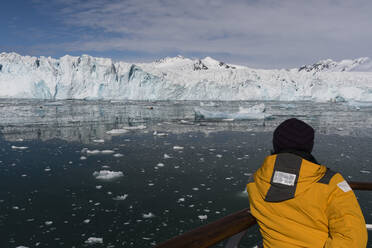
<point>84,121</point>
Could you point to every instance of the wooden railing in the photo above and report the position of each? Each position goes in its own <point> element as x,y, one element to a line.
<point>219,230</point>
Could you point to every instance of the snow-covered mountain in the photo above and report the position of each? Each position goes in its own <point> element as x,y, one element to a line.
<point>360,65</point>
<point>180,78</point>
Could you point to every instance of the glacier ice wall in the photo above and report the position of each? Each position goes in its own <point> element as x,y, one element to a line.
<point>180,78</point>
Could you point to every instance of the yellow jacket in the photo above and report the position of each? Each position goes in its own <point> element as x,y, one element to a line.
<point>298,203</point>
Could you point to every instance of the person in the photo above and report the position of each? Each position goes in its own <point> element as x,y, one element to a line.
<point>300,203</point>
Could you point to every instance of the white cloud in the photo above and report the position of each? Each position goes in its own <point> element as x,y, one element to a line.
<point>263,32</point>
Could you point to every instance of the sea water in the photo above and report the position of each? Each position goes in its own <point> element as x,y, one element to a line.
<point>68,180</point>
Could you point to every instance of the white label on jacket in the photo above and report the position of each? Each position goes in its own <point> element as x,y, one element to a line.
<point>344,186</point>
<point>284,178</point>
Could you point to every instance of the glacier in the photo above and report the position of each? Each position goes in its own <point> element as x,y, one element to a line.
<point>179,78</point>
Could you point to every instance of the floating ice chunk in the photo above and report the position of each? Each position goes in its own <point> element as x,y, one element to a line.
<point>99,141</point>
<point>120,197</point>
<point>99,187</point>
<point>195,189</point>
<point>254,112</point>
<point>118,155</point>
<point>22,246</point>
<point>185,122</point>
<point>107,151</point>
<point>48,223</point>
<point>96,152</point>
<point>181,200</point>
<point>166,156</point>
<point>83,158</point>
<point>148,215</point>
<point>135,127</point>
<point>54,104</point>
<point>177,148</point>
<point>86,221</point>
<point>219,156</point>
<point>93,152</point>
<point>159,134</point>
<point>358,104</point>
<point>19,147</point>
<point>107,175</point>
<point>365,172</point>
<point>208,104</point>
<point>203,217</point>
<point>287,106</point>
<point>117,131</point>
<point>160,165</point>
<point>94,240</point>
<point>243,193</point>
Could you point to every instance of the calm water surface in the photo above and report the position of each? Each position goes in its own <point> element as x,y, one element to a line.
<point>178,173</point>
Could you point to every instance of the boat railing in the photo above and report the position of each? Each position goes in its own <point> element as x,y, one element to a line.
<point>231,228</point>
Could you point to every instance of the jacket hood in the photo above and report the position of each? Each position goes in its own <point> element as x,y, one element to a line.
<point>286,175</point>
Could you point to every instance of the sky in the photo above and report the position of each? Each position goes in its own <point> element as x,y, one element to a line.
<point>256,33</point>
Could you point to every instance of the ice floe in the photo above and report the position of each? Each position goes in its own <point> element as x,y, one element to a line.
<point>94,240</point>
<point>365,171</point>
<point>203,217</point>
<point>117,131</point>
<point>107,151</point>
<point>177,148</point>
<point>93,152</point>
<point>155,133</point>
<point>135,127</point>
<point>255,112</point>
<point>148,215</point>
<point>107,175</point>
<point>19,147</point>
<point>96,152</point>
<point>120,197</point>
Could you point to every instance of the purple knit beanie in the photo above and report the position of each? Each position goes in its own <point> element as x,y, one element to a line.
<point>293,134</point>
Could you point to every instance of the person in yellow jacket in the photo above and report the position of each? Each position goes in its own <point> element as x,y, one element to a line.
<point>298,202</point>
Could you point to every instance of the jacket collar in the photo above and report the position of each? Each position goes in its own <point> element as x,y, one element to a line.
<point>302,154</point>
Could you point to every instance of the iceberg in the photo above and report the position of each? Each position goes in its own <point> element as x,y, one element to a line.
<point>179,78</point>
